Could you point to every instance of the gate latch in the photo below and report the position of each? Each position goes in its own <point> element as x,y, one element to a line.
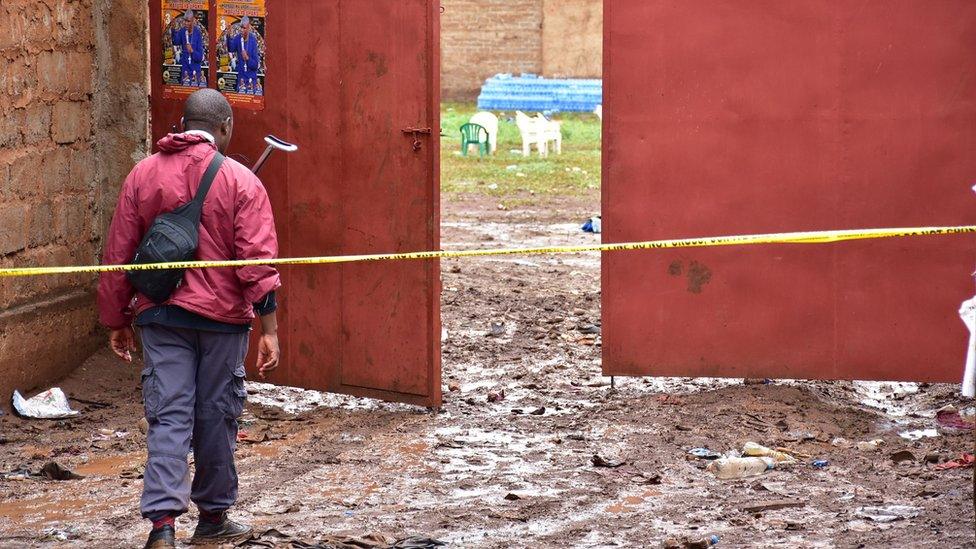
<point>416,133</point>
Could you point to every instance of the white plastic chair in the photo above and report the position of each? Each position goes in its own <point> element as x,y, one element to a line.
<point>551,131</point>
<point>539,132</point>
<point>489,122</point>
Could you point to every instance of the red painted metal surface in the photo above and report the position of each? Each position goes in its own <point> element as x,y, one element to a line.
<point>752,117</point>
<point>344,78</point>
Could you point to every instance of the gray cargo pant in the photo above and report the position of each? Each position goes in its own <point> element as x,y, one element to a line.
<point>193,389</point>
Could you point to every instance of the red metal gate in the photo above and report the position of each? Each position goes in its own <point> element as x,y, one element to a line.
<point>728,117</point>
<point>349,82</point>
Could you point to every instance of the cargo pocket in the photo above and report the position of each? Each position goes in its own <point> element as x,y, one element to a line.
<point>238,394</point>
<point>150,393</point>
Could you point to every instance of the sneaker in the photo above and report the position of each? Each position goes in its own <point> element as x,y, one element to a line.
<point>162,537</point>
<point>225,531</point>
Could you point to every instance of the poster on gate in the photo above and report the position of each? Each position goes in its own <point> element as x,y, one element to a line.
<point>186,46</point>
<point>241,52</point>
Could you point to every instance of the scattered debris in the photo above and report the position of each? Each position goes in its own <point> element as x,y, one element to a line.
<point>54,471</point>
<point>964,462</point>
<point>820,463</point>
<point>951,421</point>
<point>496,396</point>
<point>51,404</point>
<point>454,386</point>
<point>497,329</point>
<point>691,543</point>
<point>888,513</point>
<point>704,453</point>
<point>599,461</point>
<point>593,225</point>
<point>540,411</point>
<point>512,497</point>
<point>740,467</point>
<point>758,450</point>
<point>870,445</point>
<point>135,472</point>
<point>772,505</point>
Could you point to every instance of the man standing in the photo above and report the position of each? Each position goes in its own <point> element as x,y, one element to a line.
<point>190,40</point>
<point>245,46</point>
<point>194,344</point>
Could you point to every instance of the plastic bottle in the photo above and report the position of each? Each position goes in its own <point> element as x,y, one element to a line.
<point>729,468</point>
<point>753,449</point>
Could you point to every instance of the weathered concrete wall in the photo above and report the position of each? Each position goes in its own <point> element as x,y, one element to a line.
<point>480,38</point>
<point>572,38</point>
<point>58,162</point>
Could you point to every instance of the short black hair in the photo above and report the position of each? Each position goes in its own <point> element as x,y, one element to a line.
<point>206,109</point>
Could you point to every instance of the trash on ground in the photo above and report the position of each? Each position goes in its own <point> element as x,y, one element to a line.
<point>741,467</point>
<point>889,513</point>
<point>51,404</point>
<point>54,471</point>
<point>704,453</point>
<point>951,421</point>
<point>820,463</point>
<point>593,225</point>
<point>870,445</point>
<point>919,434</point>
<point>275,538</point>
<point>497,329</point>
<point>599,461</point>
<point>964,462</point>
<point>758,450</point>
<point>840,442</point>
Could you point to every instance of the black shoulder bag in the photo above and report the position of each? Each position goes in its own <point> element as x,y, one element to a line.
<point>172,237</point>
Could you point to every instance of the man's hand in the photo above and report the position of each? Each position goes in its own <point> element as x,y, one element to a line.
<point>244,54</point>
<point>123,343</point>
<point>268,354</point>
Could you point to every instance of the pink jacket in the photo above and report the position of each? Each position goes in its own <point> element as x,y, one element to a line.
<point>237,223</point>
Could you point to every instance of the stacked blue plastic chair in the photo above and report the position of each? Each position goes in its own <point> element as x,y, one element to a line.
<point>504,92</point>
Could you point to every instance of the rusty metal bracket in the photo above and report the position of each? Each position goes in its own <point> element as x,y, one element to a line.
<point>416,133</point>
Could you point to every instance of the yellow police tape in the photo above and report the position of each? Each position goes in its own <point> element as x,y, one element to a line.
<point>809,237</point>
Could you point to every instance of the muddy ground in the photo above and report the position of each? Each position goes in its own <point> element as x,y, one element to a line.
<point>518,472</point>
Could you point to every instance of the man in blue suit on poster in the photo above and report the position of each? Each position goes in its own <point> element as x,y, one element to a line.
<point>245,46</point>
<point>190,40</point>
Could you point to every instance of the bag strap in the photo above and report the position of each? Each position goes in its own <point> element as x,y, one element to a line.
<point>196,205</point>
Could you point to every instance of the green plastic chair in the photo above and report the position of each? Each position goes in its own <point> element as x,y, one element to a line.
<point>474,134</point>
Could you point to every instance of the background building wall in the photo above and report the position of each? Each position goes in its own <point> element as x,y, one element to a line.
<point>480,38</point>
<point>65,145</point>
<point>572,38</point>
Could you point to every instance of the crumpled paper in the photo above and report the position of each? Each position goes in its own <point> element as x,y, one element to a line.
<point>51,404</point>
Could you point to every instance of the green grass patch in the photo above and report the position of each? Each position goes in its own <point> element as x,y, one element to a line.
<point>508,173</point>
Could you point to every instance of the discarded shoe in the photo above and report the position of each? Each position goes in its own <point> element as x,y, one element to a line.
<point>225,531</point>
<point>162,537</point>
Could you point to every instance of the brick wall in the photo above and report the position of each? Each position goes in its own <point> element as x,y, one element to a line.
<point>54,171</point>
<point>480,38</point>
